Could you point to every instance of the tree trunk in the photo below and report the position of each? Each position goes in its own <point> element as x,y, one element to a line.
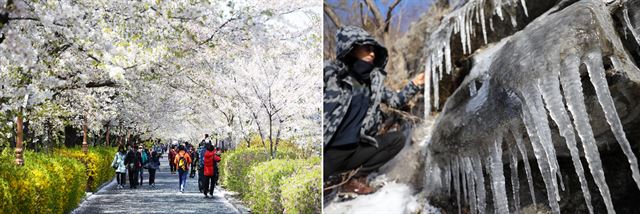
<point>271,137</point>
<point>48,143</point>
<point>259,130</point>
<point>19,160</point>
<point>126,139</point>
<point>84,136</point>
<point>275,149</point>
<point>107,143</point>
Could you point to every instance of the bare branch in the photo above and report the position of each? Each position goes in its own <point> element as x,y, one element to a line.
<point>332,15</point>
<point>389,11</point>
<point>363,16</point>
<point>376,12</point>
<point>218,29</point>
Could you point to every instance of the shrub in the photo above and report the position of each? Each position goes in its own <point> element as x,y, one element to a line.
<point>97,161</point>
<point>265,179</point>
<point>301,192</point>
<point>45,184</point>
<point>236,164</point>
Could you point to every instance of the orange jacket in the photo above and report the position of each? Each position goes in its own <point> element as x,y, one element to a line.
<point>186,155</point>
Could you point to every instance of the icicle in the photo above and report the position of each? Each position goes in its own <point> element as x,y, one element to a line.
<point>479,176</point>
<point>468,169</point>
<point>476,12</point>
<point>472,88</point>
<point>497,4</point>
<point>514,22</point>
<point>427,92</point>
<point>554,103</point>
<point>560,181</point>
<point>491,23</point>
<point>463,32</point>
<point>439,65</point>
<point>468,25</point>
<point>436,96</point>
<point>515,182</point>
<point>463,178</point>
<point>456,181</point>
<point>482,22</point>
<point>572,87</point>
<point>524,7</point>
<point>539,120</point>
<point>525,158</point>
<point>447,179</point>
<point>500,201</point>
<point>541,157</point>
<point>447,55</point>
<point>471,14</point>
<point>625,14</point>
<point>596,74</point>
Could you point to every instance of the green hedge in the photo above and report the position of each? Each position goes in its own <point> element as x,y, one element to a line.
<point>301,192</point>
<point>45,184</point>
<point>265,183</point>
<point>98,163</point>
<point>236,164</point>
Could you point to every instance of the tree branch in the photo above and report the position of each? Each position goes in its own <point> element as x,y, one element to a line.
<point>389,11</point>
<point>23,18</point>
<point>376,12</point>
<point>332,15</point>
<point>218,29</point>
<point>106,83</point>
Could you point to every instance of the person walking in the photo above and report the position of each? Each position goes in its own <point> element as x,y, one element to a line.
<point>194,163</point>
<point>132,160</point>
<point>153,165</point>
<point>216,171</point>
<point>172,157</point>
<point>202,148</point>
<point>144,158</point>
<point>119,166</point>
<point>182,162</point>
<point>210,158</point>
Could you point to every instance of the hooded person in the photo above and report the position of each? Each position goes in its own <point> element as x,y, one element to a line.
<point>353,91</point>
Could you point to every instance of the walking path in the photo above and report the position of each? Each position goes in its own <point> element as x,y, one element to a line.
<point>165,198</point>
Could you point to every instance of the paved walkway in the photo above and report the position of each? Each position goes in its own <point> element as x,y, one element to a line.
<point>165,198</point>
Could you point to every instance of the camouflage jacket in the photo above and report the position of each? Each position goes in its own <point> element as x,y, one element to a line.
<point>338,87</point>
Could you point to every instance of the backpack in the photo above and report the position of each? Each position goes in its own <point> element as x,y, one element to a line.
<point>144,157</point>
<point>182,163</point>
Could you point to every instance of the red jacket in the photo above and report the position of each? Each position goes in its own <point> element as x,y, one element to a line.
<point>209,158</point>
<point>172,155</point>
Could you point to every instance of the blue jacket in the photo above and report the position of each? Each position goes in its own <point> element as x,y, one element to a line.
<point>201,152</point>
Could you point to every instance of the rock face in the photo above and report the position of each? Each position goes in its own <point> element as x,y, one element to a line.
<point>544,108</point>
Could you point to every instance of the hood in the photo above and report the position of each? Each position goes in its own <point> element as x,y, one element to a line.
<point>349,36</point>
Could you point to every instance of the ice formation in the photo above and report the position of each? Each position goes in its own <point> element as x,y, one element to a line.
<point>511,91</point>
<point>461,21</point>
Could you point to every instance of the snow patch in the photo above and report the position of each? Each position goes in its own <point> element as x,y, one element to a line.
<point>392,198</point>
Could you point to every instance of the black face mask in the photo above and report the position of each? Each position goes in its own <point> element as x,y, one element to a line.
<point>361,70</point>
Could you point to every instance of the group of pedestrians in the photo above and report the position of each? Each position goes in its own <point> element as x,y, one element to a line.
<point>133,161</point>
<point>184,160</point>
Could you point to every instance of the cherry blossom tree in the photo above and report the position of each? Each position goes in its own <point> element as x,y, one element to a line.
<point>160,69</point>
